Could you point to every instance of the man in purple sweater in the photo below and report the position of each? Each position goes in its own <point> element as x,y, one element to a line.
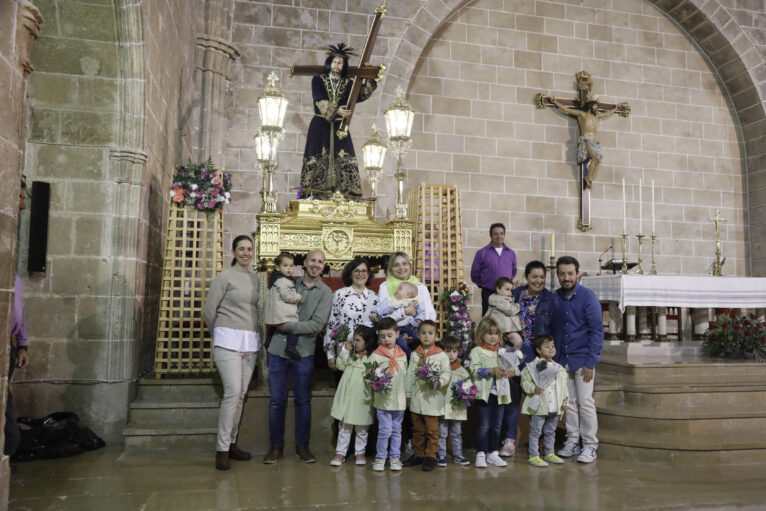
<point>492,262</point>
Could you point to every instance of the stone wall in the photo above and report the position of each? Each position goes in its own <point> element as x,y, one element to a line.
<point>110,116</point>
<point>475,68</point>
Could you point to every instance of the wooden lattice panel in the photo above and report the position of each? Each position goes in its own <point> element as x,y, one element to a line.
<point>193,257</point>
<point>438,250</point>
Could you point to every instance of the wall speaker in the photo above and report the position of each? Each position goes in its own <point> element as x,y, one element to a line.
<point>38,226</point>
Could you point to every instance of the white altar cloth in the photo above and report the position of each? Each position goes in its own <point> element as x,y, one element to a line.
<point>695,291</point>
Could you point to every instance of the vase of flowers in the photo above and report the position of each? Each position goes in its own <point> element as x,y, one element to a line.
<point>459,324</point>
<point>201,186</point>
<point>735,335</point>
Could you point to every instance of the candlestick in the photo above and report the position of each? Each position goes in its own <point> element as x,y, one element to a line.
<point>624,216</point>
<point>552,268</point>
<point>640,269</point>
<point>624,269</point>
<point>640,206</point>
<point>653,230</point>
<point>653,269</point>
<point>553,245</point>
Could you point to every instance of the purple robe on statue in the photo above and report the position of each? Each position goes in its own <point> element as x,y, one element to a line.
<point>329,164</point>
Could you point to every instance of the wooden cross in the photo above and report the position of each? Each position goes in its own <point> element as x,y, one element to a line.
<point>588,110</point>
<point>364,70</point>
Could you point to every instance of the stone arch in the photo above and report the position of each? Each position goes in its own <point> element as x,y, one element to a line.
<point>736,60</point>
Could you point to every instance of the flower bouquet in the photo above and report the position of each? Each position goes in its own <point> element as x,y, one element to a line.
<point>339,336</point>
<point>509,359</point>
<point>543,374</point>
<point>463,392</point>
<point>429,374</point>
<point>201,186</point>
<point>377,378</point>
<point>459,324</point>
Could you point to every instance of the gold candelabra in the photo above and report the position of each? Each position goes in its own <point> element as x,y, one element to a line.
<point>624,269</point>
<point>653,269</point>
<point>640,238</point>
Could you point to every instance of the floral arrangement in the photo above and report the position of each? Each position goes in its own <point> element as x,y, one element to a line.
<point>463,392</point>
<point>377,378</point>
<point>201,186</point>
<point>429,373</point>
<point>733,335</point>
<point>339,335</point>
<point>459,324</point>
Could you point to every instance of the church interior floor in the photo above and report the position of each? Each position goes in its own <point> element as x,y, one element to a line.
<point>112,480</point>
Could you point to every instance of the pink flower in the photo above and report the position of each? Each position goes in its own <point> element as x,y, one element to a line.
<point>217,181</point>
<point>178,195</point>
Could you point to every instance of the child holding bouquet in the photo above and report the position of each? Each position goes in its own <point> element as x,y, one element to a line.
<point>494,392</point>
<point>352,405</point>
<point>427,377</point>
<point>460,393</point>
<point>386,374</point>
<point>545,384</point>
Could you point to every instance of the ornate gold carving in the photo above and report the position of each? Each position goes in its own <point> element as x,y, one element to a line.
<point>337,242</point>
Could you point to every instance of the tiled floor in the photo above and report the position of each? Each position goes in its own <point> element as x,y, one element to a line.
<point>109,480</point>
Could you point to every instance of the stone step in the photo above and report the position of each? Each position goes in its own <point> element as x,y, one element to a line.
<point>684,397</point>
<point>174,412</point>
<point>169,437</point>
<point>705,434</point>
<point>177,389</point>
<point>702,373</point>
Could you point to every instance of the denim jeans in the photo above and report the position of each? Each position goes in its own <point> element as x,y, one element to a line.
<point>544,425</point>
<point>280,370</point>
<point>490,421</point>
<point>453,428</point>
<point>513,409</point>
<point>389,427</point>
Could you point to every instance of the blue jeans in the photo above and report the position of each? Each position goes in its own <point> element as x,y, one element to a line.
<point>389,427</point>
<point>280,369</point>
<point>490,421</point>
<point>544,425</point>
<point>513,409</point>
<point>453,429</point>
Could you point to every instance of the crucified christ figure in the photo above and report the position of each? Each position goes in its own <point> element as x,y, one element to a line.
<point>588,147</point>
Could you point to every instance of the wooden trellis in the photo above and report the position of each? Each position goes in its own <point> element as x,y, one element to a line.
<point>193,257</point>
<point>438,248</point>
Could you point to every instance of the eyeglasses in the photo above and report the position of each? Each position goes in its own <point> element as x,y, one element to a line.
<point>360,272</point>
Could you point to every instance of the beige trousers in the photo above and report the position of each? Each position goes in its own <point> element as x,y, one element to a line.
<point>236,369</point>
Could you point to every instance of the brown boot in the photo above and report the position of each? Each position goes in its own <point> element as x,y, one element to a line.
<point>304,454</point>
<point>275,452</point>
<point>235,453</point>
<point>222,460</point>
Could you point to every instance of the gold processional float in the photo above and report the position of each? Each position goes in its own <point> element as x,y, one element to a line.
<point>343,228</point>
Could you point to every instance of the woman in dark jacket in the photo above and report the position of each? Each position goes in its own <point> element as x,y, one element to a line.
<point>537,309</point>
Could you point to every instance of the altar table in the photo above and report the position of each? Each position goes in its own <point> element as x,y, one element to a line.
<point>626,293</point>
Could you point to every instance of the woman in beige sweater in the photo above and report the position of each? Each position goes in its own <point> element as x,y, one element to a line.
<point>231,315</point>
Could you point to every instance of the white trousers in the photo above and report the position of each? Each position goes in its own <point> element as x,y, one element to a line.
<point>236,369</point>
<point>581,416</point>
<point>344,437</point>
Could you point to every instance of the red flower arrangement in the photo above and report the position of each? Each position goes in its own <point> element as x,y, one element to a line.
<point>733,335</point>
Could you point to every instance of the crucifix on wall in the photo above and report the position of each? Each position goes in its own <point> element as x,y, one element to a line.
<point>587,109</point>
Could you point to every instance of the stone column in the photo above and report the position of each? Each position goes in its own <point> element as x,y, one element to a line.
<point>630,323</point>
<point>662,323</point>
<point>20,24</point>
<point>213,58</point>
<point>700,319</point>
<point>644,330</point>
<point>615,321</point>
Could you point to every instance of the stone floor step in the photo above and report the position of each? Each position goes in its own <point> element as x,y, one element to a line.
<point>172,412</point>
<point>177,389</point>
<point>698,373</point>
<point>710,434</point>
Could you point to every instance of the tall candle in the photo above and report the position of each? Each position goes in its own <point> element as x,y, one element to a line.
<point>624,215</point>
<point>553,244</point>
<point>652,207</point>
<point>640,208</point>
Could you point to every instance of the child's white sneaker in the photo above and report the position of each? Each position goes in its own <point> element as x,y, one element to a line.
<point>395,464</point>
<point>588,455</point>
<point>508,448</point>
<point>481,460</point>
<point>495,459</point>
<point>570,449</point>
<point>379,465</point>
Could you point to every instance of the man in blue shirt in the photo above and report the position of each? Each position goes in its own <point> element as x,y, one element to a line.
<point>578,331</point>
